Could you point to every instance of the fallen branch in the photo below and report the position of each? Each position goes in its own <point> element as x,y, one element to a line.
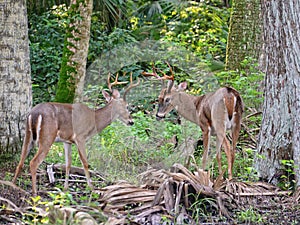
<point>11,204</point>
<point>12,185</point>
<point>76,170</point>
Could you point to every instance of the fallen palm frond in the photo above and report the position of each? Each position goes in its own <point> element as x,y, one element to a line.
<point>177,196</point>
<point>172,195</point>
<point>242,189</point>
<point>161,193</point>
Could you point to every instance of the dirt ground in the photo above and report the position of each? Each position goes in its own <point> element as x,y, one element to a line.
<point>164,197</point>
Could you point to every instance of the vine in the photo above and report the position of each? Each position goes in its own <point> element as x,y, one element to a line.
<point>67,83</point>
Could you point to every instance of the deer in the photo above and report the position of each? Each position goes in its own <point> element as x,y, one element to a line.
<point>214,112</point>
<point>71,124</point>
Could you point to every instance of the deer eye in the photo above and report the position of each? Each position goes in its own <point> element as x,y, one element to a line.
<point>167,100</point>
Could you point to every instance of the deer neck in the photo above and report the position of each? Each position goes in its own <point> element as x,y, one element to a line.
<point>185,106</point>
<point>104,116</point>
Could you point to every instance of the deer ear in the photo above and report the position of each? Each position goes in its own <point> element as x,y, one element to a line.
<point>182,86</point>
<point>115,93</point>
<point>106,95</point>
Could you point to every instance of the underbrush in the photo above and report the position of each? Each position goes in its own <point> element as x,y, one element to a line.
<point>126,151</point>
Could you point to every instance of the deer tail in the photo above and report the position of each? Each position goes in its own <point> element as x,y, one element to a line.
<point>233,102</point>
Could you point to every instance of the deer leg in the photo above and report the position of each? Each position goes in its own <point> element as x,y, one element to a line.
<point>219,141</point>
<point>206,142</point>
<point>219,159</point>
<point>68,158</point>
<point>228,153</point>
<point>36,161</point>
<point>235,135</point>
<point>83,158</point>
<point>27,145</point>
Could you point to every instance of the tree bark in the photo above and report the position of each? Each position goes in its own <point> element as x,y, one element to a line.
<point>279,137</point>
<point>73,69</point>
<point>244,33</point>
<point>15,80</point>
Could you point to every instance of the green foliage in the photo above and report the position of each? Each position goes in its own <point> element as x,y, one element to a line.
<point>66,84</point>
<point>124,151</point>
<point>247,82</point>
<point>61,199</point>
<point>103,40</point>
<point>34,217</point>
<point>98,38</point>
<point>287,179</point>
<point>48,32</point>
<point>142,131</point>
<point>249,216</point>
<point>41,6</point>
<point>56,154</point>
<point>118,37</point>
<point>40,209</point>
<point>243,168</point>
<point>200,27</point>
<point>202,208</point>
<point>147,18</point>
<point>46,35</point>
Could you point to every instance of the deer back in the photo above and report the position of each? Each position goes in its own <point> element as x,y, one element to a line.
<point>62,120</point>
<point>222,106</point>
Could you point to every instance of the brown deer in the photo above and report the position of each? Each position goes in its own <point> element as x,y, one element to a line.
<point>214,112</point>
<point>71,124</point>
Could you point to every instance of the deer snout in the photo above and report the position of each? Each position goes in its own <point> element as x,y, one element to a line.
<point>130,121</point>
<point>159,117</point>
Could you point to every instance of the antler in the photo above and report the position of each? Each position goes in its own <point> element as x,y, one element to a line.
<point>164,77</point>
<point>154,74</point>
<point>130,86</point>
<point>115,82</point>
<point>171,79</point>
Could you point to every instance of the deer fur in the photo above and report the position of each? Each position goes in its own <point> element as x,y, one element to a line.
<point>71,124</point>
<point>214,112</point>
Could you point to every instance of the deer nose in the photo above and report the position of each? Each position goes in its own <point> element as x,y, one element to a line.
<point>158,117</point>
<point>130,123</point>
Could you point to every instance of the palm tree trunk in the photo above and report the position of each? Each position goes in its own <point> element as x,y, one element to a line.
<point>73,68</point>
<point>15,80</point>
<point>244,33</point>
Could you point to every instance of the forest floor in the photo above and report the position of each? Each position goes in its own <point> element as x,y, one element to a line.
<point>177,196</point>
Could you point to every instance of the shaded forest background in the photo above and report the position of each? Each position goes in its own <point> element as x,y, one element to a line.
<point>219,43</point>
<point>194,36</point>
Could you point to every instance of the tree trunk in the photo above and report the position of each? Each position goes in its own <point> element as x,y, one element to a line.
<point>73,68</point>
<point>279,137</point>
<point>15,80</point>
<point>244,33</point>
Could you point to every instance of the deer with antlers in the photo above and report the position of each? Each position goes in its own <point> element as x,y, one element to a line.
<point>71,124</point>
<point>214,112</point>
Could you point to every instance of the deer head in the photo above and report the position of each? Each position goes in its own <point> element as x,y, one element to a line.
<point>168,98</point>
<point>119,105</point>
